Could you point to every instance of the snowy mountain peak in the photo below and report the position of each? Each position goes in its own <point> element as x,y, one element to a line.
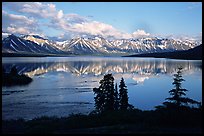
<point>5,35</point>
<point>95,45</point>
<point>35,38</point>
<point>28,44</point>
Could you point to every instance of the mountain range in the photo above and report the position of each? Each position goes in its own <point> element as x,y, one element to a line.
<point>93,45</point>
<point>192,54</point>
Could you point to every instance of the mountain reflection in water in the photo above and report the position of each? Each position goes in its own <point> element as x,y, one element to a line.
<point>89,66</point>
<point>64,85</point>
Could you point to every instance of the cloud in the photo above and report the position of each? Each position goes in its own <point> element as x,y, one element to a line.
<point>35,9</point>
<point>30,11</point>
<point>12,17</point>
<point>72,24</point>
<point>18,30</point>
<point>140,33</point>
<point>94,28</point>
<point>18,23</point>
<point>28,8</point>
<point>98,28</point>
<point>66,22</point>
<point>75,18</point>
<point>79,25</point>
<point>60,14</point>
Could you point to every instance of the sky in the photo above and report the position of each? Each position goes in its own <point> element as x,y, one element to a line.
<point>119,20</point>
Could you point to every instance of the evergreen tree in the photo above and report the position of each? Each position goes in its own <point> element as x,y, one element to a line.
<point>177,100</point>
<point>99,99</point>
<point>104,99</point>
<point>116,99</point>
<point>123,97</point>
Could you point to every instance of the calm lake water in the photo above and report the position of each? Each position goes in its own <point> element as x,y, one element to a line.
<point>63,85</point>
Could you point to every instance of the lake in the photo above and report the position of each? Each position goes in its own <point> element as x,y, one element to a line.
<point>63,85</point>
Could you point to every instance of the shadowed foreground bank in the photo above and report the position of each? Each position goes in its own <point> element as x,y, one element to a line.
<point>185,120</point>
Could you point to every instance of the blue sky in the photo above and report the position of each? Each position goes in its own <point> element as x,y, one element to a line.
<point>109,19</point>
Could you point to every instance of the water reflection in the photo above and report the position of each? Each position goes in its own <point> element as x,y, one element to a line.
<point>63,85</point>
<point>90,66</point>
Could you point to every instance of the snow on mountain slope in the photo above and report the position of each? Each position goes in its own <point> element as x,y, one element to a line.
<point>16,44</point>
<point>153,45</point>
<point>5,35</point>
<point>94,45</point>
<point>88,46</point>
<point>36,39</point>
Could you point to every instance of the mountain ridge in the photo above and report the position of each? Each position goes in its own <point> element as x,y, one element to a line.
<point>192,54</point>
<point>95,45</point>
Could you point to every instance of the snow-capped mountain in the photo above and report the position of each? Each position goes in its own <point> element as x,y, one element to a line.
<point>42,41</point>
<point>13,44</point>
<point>144,45</point>
<point>93,45</point>
<point>82,45</point>
<point>4,35</point>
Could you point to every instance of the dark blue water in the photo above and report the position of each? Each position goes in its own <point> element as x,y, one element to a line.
<point>63,85</point>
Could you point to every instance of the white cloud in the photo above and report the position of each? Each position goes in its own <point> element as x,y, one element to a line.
<point>12,17</point>
<point>30,8</point>
<point>75,18</point>
<point>73,24</point>
<point>140,33</point>
<point>18,30</point>
<point>94,28</point>
<point>34,9</point>
<point>60,14</point>
<point>98,28</point>
<point>18,23</point>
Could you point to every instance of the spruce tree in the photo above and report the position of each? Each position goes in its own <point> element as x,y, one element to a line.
<point>123,96</point>
<point>99,99</point>
<point>104,99</point>
<point>177,100</point>
<point>116,98</point>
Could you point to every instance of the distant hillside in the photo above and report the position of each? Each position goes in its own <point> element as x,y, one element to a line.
<point>191,54</point>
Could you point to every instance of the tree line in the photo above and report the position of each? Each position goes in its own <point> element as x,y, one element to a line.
<point>108,98</point>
